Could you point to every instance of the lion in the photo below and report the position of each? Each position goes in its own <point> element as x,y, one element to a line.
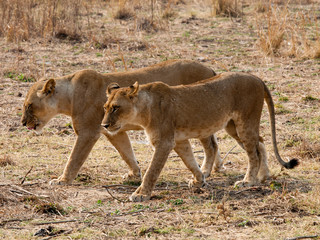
<point>82,95</point>
<point>171,115</point>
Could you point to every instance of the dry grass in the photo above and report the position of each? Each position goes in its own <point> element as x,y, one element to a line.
<point>286,33</point>
<point>5,161</point>
<point>271,39</point>
<point>227,8</point>
<point>22,20</point>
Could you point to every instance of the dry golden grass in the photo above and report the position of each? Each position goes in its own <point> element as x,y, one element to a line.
<point>286,32</point>
<point>228,8</point>
<point>22,20</point>
<point>5,161</point>
<point>271,39</point>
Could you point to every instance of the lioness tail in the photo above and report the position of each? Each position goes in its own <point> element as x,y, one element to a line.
<point>293,162</point>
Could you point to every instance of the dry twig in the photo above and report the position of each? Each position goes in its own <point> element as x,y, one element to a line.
<point>55,222</point>
<point>107,188</point>
<point>303,237</point>
<point>24,178</point>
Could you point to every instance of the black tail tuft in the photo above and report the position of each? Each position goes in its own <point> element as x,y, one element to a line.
<point>292,163</point>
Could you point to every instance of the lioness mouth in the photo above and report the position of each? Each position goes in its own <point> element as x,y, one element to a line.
<point>113,129</point>
<point>33,128</point>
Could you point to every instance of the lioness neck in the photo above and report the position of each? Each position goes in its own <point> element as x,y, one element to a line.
<point>143,109</point>
<point>63,96</point>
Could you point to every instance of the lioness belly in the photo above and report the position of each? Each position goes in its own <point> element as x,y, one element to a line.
<point>183,134</point>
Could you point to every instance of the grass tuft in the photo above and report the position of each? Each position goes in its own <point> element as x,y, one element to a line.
<point>226,8</point>
<point>124,14</point>
<point>50,208</point>
<point>6,160</point>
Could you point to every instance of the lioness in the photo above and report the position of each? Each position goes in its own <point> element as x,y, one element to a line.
<point>81,95</point>
<point>172,115</point>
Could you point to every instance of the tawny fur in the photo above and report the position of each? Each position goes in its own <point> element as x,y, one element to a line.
<point>81,95</point>
<point>172,115</point>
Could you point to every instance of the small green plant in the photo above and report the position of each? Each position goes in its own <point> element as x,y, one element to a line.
<point>99,54</point>
<point>283,99</point>
<point>275,185</point>
<point>132,183</point>
<point>176,201</point>
<point>280,109</point>
<point>186,34</point>
<point>116,212</point>
<point>21,77</point>
<point>309,98</point>
<point>99,202</point>
<point>11,75</point>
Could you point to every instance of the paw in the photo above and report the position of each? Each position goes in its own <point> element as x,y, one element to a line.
<point>206,173</point>
<point>220,168</point>
<point>130,177</point>
<point>138,197</point>
<point>193,183</point>
<point>244,183</point>
<point>263,178</point>
<point>59,181</point>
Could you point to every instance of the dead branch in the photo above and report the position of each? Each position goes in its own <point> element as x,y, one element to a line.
<point>119,185</point>
<point>14,220</point>
<point>57,234</point>
<point>55,222</point>
<point>24,178</point>
<point>248,189</point>
<point>107,188</point>
<point>303,237</point>
<point>26,192</point>
<point>228,153</point>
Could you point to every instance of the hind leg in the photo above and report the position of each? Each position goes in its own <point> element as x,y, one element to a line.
<point>263,173</point>
<point>232,131</point>
<point>212,155</point>
<point>249,136</point>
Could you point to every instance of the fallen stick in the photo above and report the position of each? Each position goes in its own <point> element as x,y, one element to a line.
<point>14,220</point>
<point>55,222</point>
<point>107,188</point>
<point>303,237</point>
<point>228,153</point>
<point>119,185</point>
<point>27,192</point>
<point>24,178</point>
<point>57,234</point>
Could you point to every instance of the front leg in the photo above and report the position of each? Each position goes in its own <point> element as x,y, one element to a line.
<point>184,150</point>
<point>122,143</point>
<point>81,149</point>
<point>160,156</point>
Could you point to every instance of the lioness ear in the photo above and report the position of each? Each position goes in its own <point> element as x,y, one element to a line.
<point>48,88</point>
<point>111,87</point>
<point>134,89</point>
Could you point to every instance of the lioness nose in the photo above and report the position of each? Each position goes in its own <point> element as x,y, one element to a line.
<point>105,125</point>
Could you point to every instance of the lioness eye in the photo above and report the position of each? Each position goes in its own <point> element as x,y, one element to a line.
<point>114,109</point>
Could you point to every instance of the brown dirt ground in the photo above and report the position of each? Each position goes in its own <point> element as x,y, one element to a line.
<point>286,206</point>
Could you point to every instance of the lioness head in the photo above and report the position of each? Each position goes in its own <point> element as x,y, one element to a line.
<point>120,107</point>
<point>39,106</point>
